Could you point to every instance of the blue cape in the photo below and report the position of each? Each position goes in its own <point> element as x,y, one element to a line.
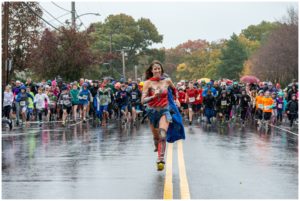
<point>176,129</point>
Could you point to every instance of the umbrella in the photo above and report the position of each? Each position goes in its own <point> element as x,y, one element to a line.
<point>228,82</point>
<point>206,80</point>
<point>141,85</point>
<point>249,79</point>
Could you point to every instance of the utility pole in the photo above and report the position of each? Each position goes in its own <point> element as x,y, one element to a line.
<point>135,72</point>
<point>5,45</point>
<point>110,52</point>
<point>123,61</point>
<point>73,14</point>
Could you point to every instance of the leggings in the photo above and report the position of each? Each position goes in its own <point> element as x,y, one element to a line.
<point>292,117</point>
<point>209,113</point>
<point>40,114</point>
<point>6,111</point>
<point>279,115</point>
<point>243,113</point>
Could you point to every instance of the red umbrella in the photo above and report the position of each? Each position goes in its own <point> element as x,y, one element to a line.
<point>229,82</point>
<point>249,79</point>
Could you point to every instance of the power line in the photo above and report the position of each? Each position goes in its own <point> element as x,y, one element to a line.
<point>40,16</point>
<point>80,19</point>
<point>60,16</point>
<point>51,15</point>
<point>60,7</point>
<point>45,39</point>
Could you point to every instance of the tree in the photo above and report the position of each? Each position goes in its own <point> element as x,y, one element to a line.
<point>183,53</point>
<point>147,56</point>
<point>124,32</point>
<point>24,27</point>
<point>65,53</point>
<point>192,46</point>
<point>47,55</point>
<point>250,45</point>
<point>232,58</point>
<point>277,59</point>
<point>259,32</point>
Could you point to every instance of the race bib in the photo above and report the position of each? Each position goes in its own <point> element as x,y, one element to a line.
<point>85,97</point>
<point>223,102</point>
<point>102,101</point>
<point>40,105</point>
<point>192,99</point>
<point>22,103</point>
<point>261,106</point>
<point>67,102</point>
<point>267,107</point>
<point>133,96</point>
<point>280,106</point>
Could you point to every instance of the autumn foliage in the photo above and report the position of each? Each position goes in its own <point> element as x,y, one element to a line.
<point>268,50</point>
<point>65,53</point>
<point>277,59</point>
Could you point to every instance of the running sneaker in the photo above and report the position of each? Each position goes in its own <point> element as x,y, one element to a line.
<point>160,165</point>
<point>10,124</point>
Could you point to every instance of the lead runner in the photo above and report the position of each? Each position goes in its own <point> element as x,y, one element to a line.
<point>158,93</point>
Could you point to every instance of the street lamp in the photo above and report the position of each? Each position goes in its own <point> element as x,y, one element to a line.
<point>97,14</point>
<point>78,16</point>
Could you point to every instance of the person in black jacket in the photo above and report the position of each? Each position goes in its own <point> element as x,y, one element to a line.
<point>93,89</point>
<point>291,91</point>
<point>209,106</point>
<point>223,104</point>
<point>292,109</point>
<point>244,103</point>
<point>235,90</point>
<point>231,97</point>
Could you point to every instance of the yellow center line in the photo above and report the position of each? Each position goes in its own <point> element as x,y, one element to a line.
<point>168,188</point>
<point>184,186</point>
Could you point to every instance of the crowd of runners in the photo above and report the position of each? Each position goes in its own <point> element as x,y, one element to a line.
<point>221,100</point>
<point>165,104</point>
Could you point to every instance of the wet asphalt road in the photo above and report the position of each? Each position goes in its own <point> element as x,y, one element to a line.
<point>82,161</point>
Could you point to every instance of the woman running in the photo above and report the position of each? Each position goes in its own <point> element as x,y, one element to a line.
<point>191,96</point>
<point>135,101</point>
<point>75,100</point>
<point>84,99</point>
<point>65,99</point>
<point>40,104</point>
<point>155,94</point>
<point>7,102</point>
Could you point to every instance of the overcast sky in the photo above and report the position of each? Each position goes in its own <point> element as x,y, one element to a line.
<point>179,21</point>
